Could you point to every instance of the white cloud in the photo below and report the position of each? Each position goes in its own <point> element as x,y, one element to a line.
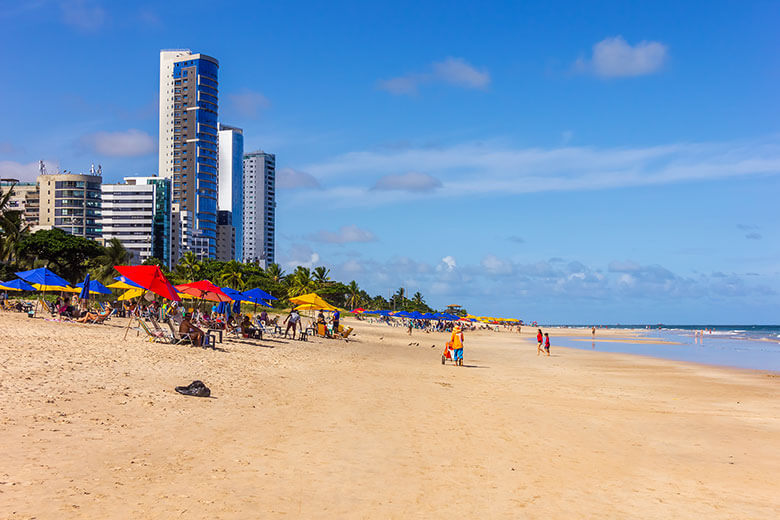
<point>345,235</point>
<point>299,255</point>
<point>131,143</point>
<point>447,264</point>
<point>289,179</point>
<point>25,172</point>
<point>85,15</point>
<point>411,181</point>
<point>248,103</point>
<point>614,57</point>
<point>495,265</point>
<point>451,71</point>
<point>494,168</point>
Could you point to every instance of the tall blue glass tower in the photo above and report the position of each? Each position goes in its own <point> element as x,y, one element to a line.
<point>189,103</point>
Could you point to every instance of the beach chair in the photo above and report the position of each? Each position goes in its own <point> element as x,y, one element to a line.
<point>102,317</point>
<point>178,338</point>
<point>153,336</point>
<point>159,331</point>
<point>344,333</point>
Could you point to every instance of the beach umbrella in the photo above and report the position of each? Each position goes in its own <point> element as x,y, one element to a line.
<point>236,296</point>
<point>131,293</point>
<point>16,285</point>
<point>359,310</point>
<point>236,307</point>
<point>314,300</point>
<point>96,287</point>
<point>84,294</point>
<point>258,293</point>
<point>149,277</point>
<point>123,283</point>
<point>45,279</point>
<point>204,290</point>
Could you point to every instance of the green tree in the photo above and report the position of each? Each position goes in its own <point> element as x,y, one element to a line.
<point>321,276</point>
<point>354,297</point>
<point>189,266</point>
<point>232,275</point>
<point>65,254</point>
<point>300,282</point>
<point>275,273</point>
<point>113,254</point>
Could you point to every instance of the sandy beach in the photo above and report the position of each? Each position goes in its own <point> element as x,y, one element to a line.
<point>375,428</point>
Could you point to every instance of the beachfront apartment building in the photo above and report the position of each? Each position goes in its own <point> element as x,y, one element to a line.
<point>25,199</point>
<point>188,153</point>
<point>231,188</point>
<point>226,236</point>
<point>259,208</point>
<point>71,202</point>
<point>138,214</point>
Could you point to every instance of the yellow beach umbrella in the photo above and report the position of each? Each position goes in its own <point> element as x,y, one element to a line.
<point>121,285</point>
<point>313,302</point>
<point>56,288</point>
<point>135,292</point>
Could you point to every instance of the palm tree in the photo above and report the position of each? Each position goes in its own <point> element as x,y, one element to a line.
<point>275,273</point>
<point>300,282</point>
<point>232,276</point>
<point>13,229</point>
<point>399,298</point>
<point>190,265</point>
<point>321,276</point>
<point>353,294</point>
<point>113,254</point>
<point>418,300</point>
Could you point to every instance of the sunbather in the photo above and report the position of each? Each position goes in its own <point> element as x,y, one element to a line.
<point>94,316</point>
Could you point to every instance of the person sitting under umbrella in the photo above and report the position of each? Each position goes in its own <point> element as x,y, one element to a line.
<point>193,332</point>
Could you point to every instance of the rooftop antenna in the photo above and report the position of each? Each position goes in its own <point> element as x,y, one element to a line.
<point>41,167</point>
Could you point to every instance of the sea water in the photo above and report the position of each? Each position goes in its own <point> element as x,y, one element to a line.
<point>742,346</point>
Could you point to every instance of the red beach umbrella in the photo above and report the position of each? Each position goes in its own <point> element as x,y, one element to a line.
<point>151,278</point>
<point>204,290</point>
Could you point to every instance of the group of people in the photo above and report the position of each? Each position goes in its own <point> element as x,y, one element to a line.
<point>543,341</point>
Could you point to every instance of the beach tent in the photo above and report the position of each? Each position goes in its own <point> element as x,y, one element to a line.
<point>95,287</point>
<point>314,300</point>
<point>149,277</point>
<point>204,290</point>
<point>16,285</point>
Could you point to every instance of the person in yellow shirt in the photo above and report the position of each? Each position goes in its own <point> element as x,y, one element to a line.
<point>457,345</point>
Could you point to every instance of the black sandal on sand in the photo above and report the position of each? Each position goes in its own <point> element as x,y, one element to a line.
<point>195,389</point>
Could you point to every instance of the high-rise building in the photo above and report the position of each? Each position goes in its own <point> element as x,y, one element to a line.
<point>71,202</point>
<point>226,236</point>
<point>24,199</point>
<point>231,181</point>
<point>138,214</point>
<point>189,94</point>
<point>259,207</point>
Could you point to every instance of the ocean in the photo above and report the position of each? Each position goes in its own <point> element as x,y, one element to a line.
<point>742,346</point>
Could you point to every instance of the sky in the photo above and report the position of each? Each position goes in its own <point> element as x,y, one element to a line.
<point>562,162</point>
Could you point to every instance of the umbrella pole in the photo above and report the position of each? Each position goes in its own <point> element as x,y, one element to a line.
<point>132,317</point>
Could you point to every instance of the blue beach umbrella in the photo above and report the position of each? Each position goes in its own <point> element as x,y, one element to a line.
<point>127,281</point>
<point>84,294</point>
<point>236,296</point>
<point>237,307</point>
<point>95,287</point>
<point>16,285</point>
<point>258,294</point>
<point>42,276</point>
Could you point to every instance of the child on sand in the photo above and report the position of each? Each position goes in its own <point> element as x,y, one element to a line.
<point>539,340</point>
<point>547,343</point>
<point>457,345</point>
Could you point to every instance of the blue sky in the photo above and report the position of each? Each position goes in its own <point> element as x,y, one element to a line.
<point>554,161</point>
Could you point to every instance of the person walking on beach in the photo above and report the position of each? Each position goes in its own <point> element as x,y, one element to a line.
<point>547,343</point>
<point>292,322</point>
<point>593,331</point>
<point>539,340</point>
<point>457,345</point>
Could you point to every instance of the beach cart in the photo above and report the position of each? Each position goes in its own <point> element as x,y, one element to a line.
<point>447,354</point>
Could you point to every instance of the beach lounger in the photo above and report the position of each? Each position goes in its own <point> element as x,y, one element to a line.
<point>102,317</point>
<point>161,332</point>
<point>178,338</point>
<point>153,336</point>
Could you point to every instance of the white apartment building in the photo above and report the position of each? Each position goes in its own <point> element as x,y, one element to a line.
<point>137,213</point>
<point>231,188</point>
<point>259,208</point>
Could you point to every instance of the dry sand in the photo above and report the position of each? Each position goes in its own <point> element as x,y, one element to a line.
<point>375,428</point>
